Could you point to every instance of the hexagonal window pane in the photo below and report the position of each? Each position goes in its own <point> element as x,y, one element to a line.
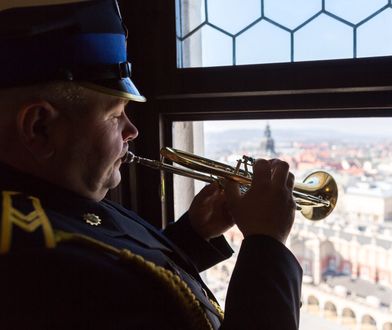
<point>323,38</point>
<point>291,13</point>
<point>255,46</point>
<point>233,15</point>
<point>191,15</point>
<point>207,47</point>
<point>374,37</point>
<point>354,11</point>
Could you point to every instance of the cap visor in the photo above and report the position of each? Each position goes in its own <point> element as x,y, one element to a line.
<point>123,88</point>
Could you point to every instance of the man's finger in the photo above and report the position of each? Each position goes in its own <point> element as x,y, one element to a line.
<point>290,181</point>
<point>280,173</point>
<point>261,175</point>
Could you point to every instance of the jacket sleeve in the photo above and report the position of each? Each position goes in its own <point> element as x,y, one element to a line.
<point>265,287</point>
<point>204,254</point>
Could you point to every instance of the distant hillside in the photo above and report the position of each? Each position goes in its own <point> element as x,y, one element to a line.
<point>231,137</point>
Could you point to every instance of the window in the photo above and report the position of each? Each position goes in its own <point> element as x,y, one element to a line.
<point>267,32</point>
<point>357,152</point>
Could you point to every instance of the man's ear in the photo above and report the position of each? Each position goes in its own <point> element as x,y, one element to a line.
<point>33,125</point>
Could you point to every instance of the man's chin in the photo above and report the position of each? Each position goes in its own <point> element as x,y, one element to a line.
<point>111,182</point>
<point>114,180</point>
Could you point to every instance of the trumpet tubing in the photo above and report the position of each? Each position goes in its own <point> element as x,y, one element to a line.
<point>316,196</point>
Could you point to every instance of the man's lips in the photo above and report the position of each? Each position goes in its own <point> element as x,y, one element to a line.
<point>123,153</point>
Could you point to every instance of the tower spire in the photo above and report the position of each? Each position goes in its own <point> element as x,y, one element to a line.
<point>267,144</point>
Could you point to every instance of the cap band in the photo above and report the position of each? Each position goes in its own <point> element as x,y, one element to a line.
<point>97,72</point>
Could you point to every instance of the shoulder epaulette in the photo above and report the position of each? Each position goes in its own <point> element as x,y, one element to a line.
<point>22,212</point>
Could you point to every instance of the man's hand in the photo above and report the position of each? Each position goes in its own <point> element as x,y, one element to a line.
<point>208,212</point>
<point>267,207</point>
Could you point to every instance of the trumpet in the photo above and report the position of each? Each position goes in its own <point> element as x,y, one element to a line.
<point>315,197</point>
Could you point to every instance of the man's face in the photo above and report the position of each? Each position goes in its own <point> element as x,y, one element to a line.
<point>95,141</point>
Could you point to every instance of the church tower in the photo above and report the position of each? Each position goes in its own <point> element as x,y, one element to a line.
<point>267,144</point>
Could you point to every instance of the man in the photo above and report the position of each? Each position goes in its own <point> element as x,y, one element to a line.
<point>71,259</point>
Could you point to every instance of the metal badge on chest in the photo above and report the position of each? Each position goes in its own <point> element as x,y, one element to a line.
<point>92,219</point>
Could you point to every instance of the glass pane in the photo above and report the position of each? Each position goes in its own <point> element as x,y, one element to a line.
<point>307,30</point>
<point>346,258</point>
<point>214,48</point>
<point>375,36</point>
<point>236,15</point>
<point>192,15</point>
<point>323,38</point>
<point>354,11</point>
<point>291,13</point>
<point>253,45</point>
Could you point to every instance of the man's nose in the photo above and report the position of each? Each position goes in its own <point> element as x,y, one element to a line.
<point>130,131</point>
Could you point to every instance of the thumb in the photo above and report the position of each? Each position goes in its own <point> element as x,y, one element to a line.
<point>206,193</point>
<point>209,190</point>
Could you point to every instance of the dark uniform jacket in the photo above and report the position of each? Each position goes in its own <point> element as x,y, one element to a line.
<point>60,269</point>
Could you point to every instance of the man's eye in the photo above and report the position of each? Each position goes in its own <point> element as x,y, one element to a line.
<point>117,116</point>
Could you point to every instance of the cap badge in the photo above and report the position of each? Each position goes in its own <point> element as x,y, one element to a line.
<point>92,219</point>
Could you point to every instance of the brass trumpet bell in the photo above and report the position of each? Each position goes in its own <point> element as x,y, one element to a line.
<point>316,196</point>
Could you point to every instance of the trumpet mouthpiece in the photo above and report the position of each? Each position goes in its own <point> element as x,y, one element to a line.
<point>128,158</point>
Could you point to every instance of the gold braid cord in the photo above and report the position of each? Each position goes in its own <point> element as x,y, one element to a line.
<point>218,309</point>
<point>172,282</point>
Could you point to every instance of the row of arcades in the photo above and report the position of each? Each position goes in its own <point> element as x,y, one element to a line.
<point>345,316</point>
